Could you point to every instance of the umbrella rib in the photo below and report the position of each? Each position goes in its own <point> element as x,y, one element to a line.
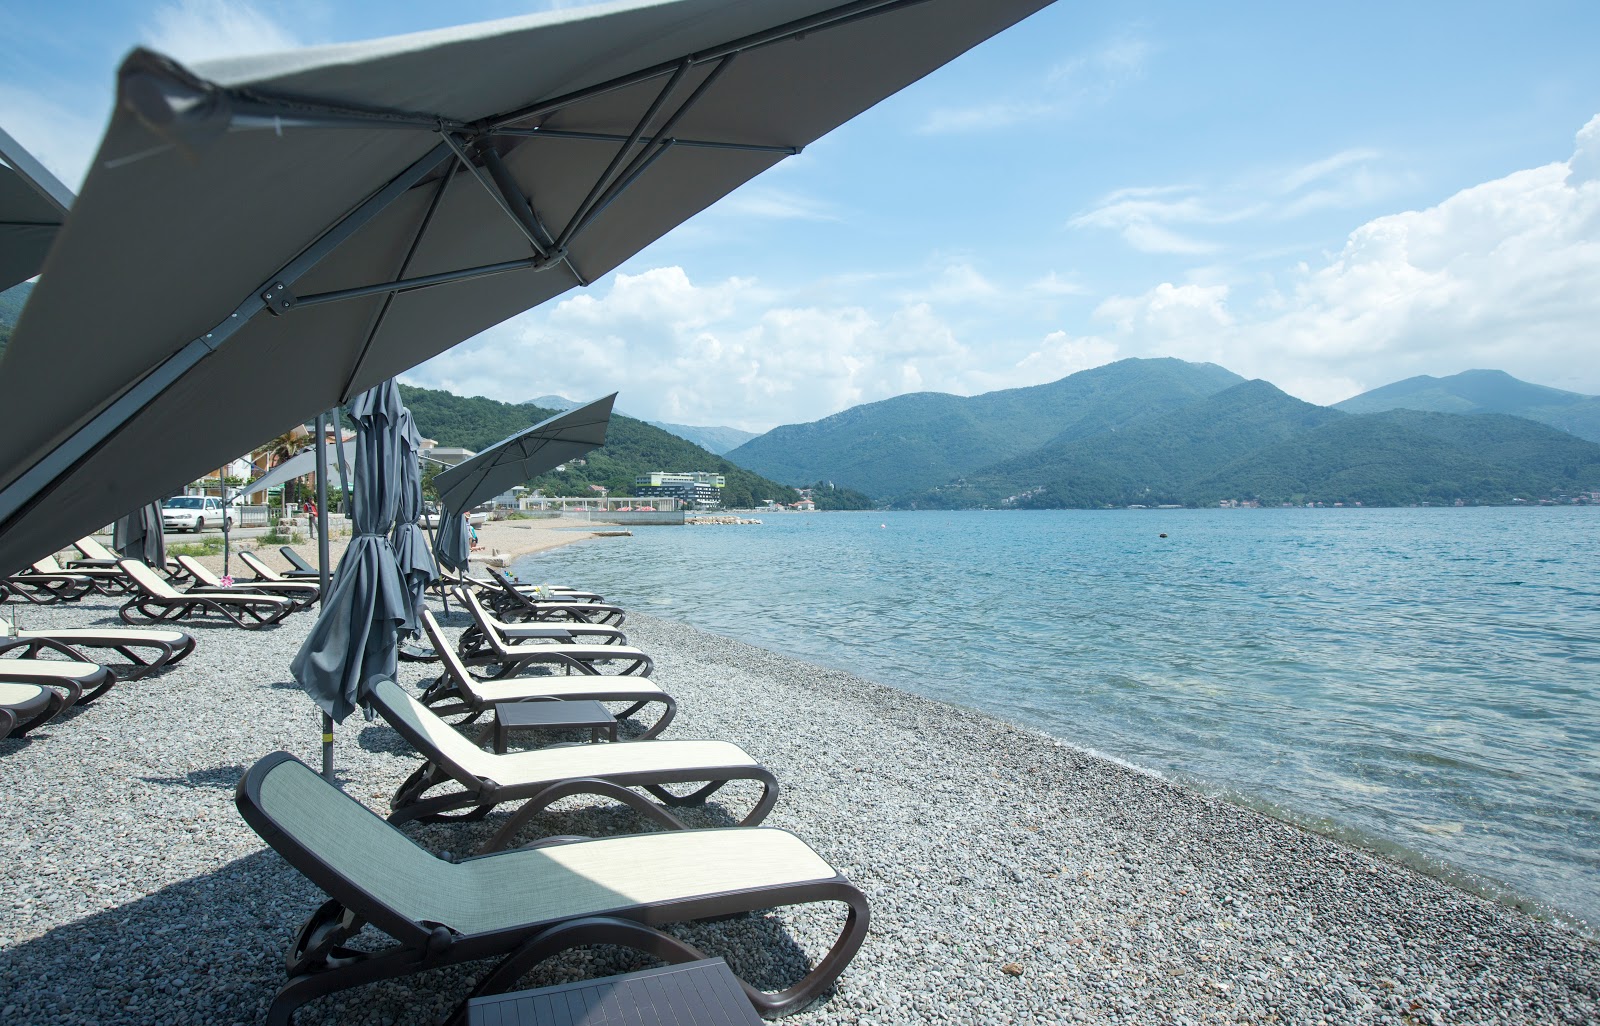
<point>648,156</point>
<point>405,264</point>
<point>707,144</point>
<point>523,223</point>
<point>608,176</point>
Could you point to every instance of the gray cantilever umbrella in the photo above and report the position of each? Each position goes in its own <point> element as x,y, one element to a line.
<point>361,208</point>
<point>302,464</point>
<point>410,542</point>
<point>354,639</point>
<point>33,203</point>
<point>511,461</point>
<point>138,535</point>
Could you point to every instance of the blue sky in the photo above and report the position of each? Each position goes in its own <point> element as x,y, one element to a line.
<point>1330,199</point>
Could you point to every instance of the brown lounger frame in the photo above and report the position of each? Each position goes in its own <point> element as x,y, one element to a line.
<point>411,800</point>
<point>46,589</point>
<point>32,643</point>
<point>91,681</point>
<point>151,605</point>
<point>452,691</point>
<point>320,964</point>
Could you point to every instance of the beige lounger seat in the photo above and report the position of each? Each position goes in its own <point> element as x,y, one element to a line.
<point>163,648</point>
<point>80,682</point>
<point>519,602</point>
<point>458,691</point>
<point>519,907</point>
<point>544,775</point>
<point>156,601</point>
<point>24,706</point>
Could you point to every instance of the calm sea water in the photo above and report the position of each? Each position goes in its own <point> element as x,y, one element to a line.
<point>1423,681</point>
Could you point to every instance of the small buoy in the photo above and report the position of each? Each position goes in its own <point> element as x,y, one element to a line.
<point>883,525</point>
<point>1163,536</point>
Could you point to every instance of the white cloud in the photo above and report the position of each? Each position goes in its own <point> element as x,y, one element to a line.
<point>61,139</point>
<point>203,30</point>
<point>1503,275</point>
<point>1084,81</point>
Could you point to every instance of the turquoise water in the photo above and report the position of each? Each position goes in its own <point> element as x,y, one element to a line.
<point>1425,681</point>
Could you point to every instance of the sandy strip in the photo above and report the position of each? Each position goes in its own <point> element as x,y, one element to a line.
<point>1014,878</point>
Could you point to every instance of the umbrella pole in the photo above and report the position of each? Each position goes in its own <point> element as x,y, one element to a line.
<point>322,568</point>
<point>227,549</point>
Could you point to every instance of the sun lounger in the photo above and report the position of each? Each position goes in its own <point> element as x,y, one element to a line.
<point>164,647</point>
<point>457,691</point>
<point>544,775</point>
<point>302,593</point>
<point>519,907</point>
<point>156,601</point>
<point>551,630</point>
<point>25,706</point>
<point>79,682</point>
<point>96,555</point>
<point>266,574</point>
<point>517,602</point>
<point>497,656</point>
<point>301,567</point>
<point>106,580</point>
<point>46,589</point>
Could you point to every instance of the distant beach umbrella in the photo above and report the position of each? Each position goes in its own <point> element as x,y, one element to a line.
<point>511,461</point>
<point>33,204</point>
<point>263,237</point>
<point>410,541</point>
<point>138,535</point>
<point>355,638</point>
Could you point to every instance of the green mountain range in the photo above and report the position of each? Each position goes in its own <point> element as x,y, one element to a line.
<point>632,447</point>
<point>919,441</point>
<point>1165,432</point>
<point>1485,391</point>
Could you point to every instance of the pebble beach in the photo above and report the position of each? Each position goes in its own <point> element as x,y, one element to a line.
<point>1013,877</point>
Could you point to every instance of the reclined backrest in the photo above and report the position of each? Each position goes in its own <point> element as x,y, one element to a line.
<point>254,562</point>
<point>361,861</point>
<point>198,571</point>
<point>453,666</point>
<point>148,580</point>
<point>90,548</point>
<point>438,742</point>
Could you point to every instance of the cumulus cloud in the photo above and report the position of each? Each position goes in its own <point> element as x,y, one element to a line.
<point>1505,275</point>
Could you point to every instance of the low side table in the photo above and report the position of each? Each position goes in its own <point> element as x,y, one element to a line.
<point>562,715</point>
<point>704,992</point>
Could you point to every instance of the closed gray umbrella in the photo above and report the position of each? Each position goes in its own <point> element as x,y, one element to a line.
<point>410,541</point>
<point>138,535</point>
<point>511,461</point>
<point>362,208</point>
<point>353,641</point>
<point>33,203</point>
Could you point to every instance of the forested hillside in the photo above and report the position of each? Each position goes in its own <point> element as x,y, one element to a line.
<point>922,440</point>
<point>632,447</point>
<point>1485,391</point>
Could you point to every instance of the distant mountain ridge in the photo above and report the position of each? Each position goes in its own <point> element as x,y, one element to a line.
<point>925,439</point>
<point>1485,391</point>
<point>713,439</point>
<point>1252,442</point>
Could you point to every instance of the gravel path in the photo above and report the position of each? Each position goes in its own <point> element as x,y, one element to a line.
<point>1014,879</point>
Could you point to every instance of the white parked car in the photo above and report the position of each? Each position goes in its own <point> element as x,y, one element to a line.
<point>193,513</point>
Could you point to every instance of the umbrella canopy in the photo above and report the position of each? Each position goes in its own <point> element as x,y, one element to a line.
<point>410,541</point>
<point>301,464</point>
<point>138,535</point>
<point>33,203</point>
<point>353,641</point>
<point>526,454</point>
<point>361,208</point>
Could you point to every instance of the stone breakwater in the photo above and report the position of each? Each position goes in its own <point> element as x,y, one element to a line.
<point>1014,878</point>
<point>719,520</point>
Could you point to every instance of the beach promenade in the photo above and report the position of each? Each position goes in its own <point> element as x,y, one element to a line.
<point>1014,878</point>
